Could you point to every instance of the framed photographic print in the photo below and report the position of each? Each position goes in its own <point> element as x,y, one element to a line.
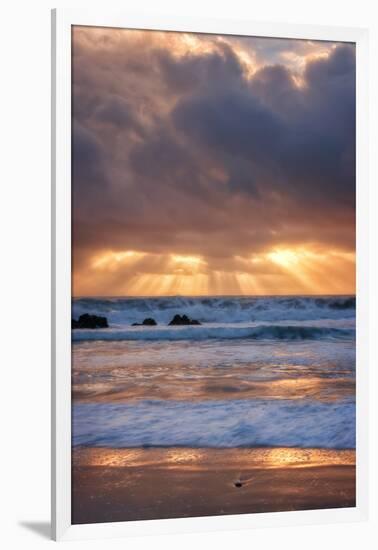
<point>209,274</point>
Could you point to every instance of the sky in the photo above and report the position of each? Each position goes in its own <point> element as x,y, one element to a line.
<point>211,165</point>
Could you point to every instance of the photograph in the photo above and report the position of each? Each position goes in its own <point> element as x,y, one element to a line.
<point>213,364</point>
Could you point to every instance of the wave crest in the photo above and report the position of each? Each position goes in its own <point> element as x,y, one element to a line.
<point>226,309</point>
<point>264,332</point>
<point>216,424</point>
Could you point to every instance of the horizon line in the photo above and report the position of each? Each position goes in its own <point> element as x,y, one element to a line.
<point>210,295</point>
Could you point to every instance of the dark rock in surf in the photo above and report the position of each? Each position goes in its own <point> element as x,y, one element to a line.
<point>149,322</point>
<point>183,320</point>
<point>90,321</point>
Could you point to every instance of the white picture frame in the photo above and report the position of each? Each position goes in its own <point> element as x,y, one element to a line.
<point>62,21</point>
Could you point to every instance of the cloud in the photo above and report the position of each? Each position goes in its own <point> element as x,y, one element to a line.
<point>88,168</point>
<point>217,147</point>
<point>297,142</point>
<point>117,112</point>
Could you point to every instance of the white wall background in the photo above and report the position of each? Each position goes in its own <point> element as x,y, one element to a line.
<point>25,271</point>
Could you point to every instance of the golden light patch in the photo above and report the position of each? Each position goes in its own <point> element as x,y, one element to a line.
<point>299,81</point>
<point>183,44</point>
<point>109,259</point>
<point>188,260</point>
<point>297,61</point>
<point>198,459</point>
<point>315,270</point>
<point>285,258</point>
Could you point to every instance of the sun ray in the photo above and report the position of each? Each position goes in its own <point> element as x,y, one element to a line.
<point>305,269</point>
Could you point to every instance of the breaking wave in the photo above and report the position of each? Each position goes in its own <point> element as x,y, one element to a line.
<point>225,309</point>
<point>262,332</point>
<point>216,424</point>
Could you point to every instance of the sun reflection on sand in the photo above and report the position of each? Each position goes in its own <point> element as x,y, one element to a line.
<point>210,459</point>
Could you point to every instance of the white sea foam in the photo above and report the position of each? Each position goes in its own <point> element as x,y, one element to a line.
<point>232,309</point>
<point>216,424</point>
<point>208,332</point>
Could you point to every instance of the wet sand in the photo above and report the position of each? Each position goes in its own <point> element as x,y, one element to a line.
<point>136,484</point>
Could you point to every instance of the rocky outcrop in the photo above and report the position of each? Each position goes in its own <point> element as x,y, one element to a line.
<point>90,321</point>
<point>183,320</point>
<point>149,322</point>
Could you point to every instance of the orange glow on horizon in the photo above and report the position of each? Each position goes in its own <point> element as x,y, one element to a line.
<point>281,270</point>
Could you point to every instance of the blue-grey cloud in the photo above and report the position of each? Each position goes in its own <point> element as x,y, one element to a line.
<point>189,154</point>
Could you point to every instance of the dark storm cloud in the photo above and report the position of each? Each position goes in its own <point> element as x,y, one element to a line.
<point>117,112</point>
<point>230,122</point>
<point>88,159</point>
<point>298,142</point>
<point>187,154</point>
<point>274,86</point>
<point>200,71</point>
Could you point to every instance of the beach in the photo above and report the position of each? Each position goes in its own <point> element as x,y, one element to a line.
<point>250,411</point>
<point>121,485</point>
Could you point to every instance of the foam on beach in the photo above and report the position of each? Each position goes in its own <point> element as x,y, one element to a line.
<point>224,424</point>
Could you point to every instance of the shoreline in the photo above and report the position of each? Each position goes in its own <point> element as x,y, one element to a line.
<point>161,483</point>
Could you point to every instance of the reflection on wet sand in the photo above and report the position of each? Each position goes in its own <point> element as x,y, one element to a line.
<point>125,371</point>
<point>205,459</point>
<point>135,484</point>
<point>321,389</point>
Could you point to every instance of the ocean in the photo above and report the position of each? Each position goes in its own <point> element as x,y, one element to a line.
<point>257,372</point>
